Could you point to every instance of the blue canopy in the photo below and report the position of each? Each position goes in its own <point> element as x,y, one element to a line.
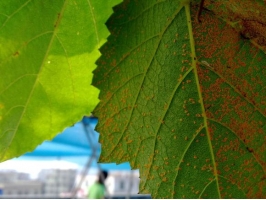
<point>72,142</point>
<point>74,145</point>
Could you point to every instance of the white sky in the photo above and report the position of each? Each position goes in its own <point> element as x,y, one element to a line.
<point>34,167</point>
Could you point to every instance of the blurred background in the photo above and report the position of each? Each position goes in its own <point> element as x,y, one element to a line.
<point>66,167</point>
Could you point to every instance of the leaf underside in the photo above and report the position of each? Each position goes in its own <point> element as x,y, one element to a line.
<point>183,101</point>
<point>47,54</point>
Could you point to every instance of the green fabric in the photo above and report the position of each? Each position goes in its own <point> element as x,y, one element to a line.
<point>96,191</point>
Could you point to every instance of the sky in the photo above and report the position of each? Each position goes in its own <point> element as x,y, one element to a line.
<point>33,167</point>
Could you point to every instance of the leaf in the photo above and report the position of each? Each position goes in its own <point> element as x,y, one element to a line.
<point>183,101</point>
<point>47,54</point>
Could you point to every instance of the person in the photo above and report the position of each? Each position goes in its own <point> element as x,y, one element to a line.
<point>97,190</point>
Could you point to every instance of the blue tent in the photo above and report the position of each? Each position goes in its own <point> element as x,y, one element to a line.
<point>75,144</point>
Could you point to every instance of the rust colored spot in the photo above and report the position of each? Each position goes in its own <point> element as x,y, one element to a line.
<point>130,141</point>
<point>16,54</point>
<point>57,20</point>
<point>249,18</point>
<point>250,150</point>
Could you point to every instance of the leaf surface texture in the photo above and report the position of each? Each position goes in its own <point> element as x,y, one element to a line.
<point>47,54</point>
<point>183,101</point>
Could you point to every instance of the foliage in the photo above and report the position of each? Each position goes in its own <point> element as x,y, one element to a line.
<point>47,54</point>
<point>180,99</point>
<point>184,101</point>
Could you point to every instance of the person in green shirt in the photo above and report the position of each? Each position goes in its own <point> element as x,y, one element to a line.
<point>97,190</point>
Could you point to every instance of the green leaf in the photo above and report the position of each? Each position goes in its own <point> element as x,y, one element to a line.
<point>183,101</point>
<point>47,54</point>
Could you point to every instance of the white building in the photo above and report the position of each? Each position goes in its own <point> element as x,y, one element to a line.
<point>23,189</point>
<point>57,182</point>
<point>11,176</point>
<point>123,183</point>
<point>16,184</point>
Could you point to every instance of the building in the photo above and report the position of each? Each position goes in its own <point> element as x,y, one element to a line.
<point>18,185</point>
<point>123,183</point>
<point>57,182</point>
<point>23,189</point>
<point>11,176</point>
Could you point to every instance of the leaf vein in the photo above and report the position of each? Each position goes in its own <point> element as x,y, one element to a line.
<point>9,17</point>
<point>19,48</point>
<point>94,23</point>
<point>235,89</point>
<point>213,120</point>
<point>70,71</point>
<point>129,52</point>
<point>16,80</point>
<point>13,107</point>
<point>233,184</point>
<point>6,132</point>
<point>192,46</point>
<point>167,109</point>
<point>120,87</point>
<point>144,77</point>
<point>137,16</point>
<point>207,185</point>
<point>183,155</point>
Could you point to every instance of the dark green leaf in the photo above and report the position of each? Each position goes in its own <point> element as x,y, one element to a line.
<point>183,101</point>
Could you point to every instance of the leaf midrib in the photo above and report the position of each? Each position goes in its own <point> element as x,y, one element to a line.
<point>256,108</point>
<point>194,65</point>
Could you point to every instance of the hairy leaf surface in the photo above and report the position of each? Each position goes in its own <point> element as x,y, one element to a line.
<point>184,101</point>
<point>47,54</point>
